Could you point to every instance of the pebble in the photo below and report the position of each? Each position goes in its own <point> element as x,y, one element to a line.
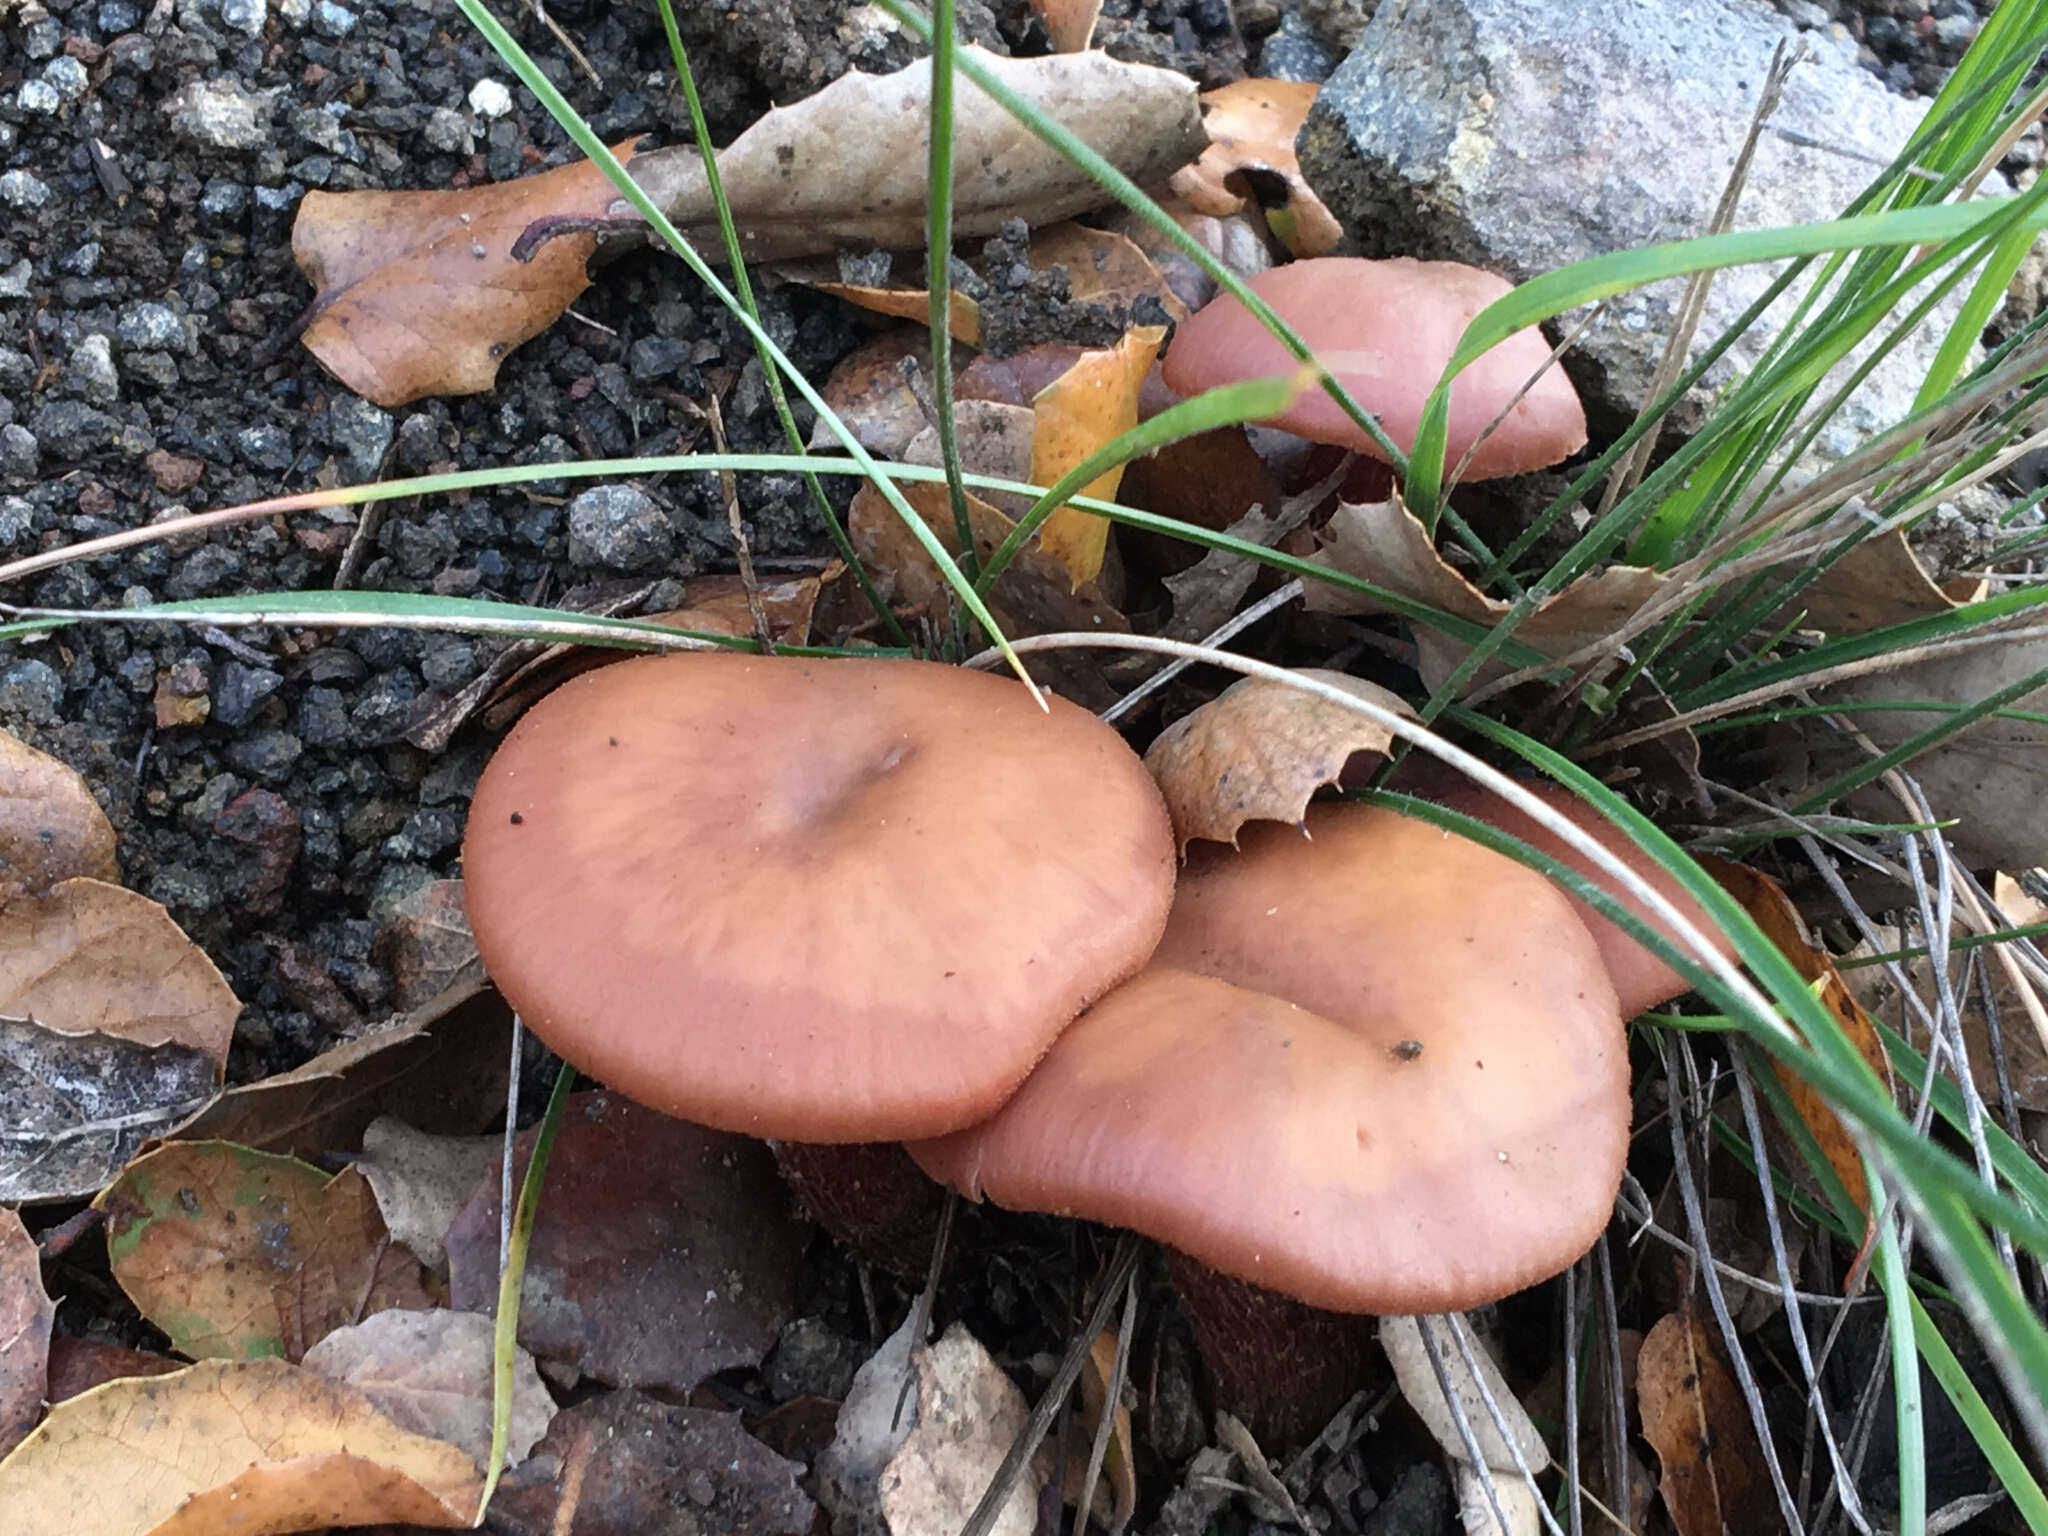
<point>14,280</point>
<point>155,326</point>
<point>656,357</point>
<point>449,131</point>
<point>17,522</point>
<point>71,429</point>
<point>239,691</point>
<point>268,755</point>
<point>92,373</point>
<point>222,114</point>
<point>363,433</point>
<point>20,459</point>
<point>39,98</point>
<point>31,690</point>
<point>245,16</point>
<point>68,78</point>
<point>489,99</point>
<point>262,830</point>
<point>323,716</point>
<point>23,190</point>
<point>331,20</point>
<point>265,446</point>
<point>117,16</point>
<point>619,527</point>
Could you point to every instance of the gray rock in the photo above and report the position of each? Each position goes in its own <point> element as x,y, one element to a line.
<point>618,526</point>
<point>1295,52</point>
<point>31,690</point>
<point>222,114</point>
<point>331,20</point>
<point>363,433</point>
<point>656,357</point>
<point>14,280</point>
<point>449,131</point>
<point>20,455</point>
<point>268,755</point>
<point>118,16</point>
<point>71,429</point>
<point>150,325</point>
<point>245,16</point>
<point>17,523</point>
<point>265,446</point>
<point>68,78</point>
<point>239,691</point>
<point>39,98</point>
<point>22,190</point>
<point>1525,137</point>
<point>92,373</point>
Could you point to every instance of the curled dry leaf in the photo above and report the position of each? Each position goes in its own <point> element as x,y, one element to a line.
<point>430,1372</point>
<point>75,1108</point>
<point>26,1313</point>
<point>1694,1418</point>
<point>92,956</point>
<point>1877,583</point>
<point>908,304</point>
<point>1260,750</point>
<point>259,1446</point>
<point>846,167</point>
<point>662,1252</point>
<point>423,1181</point>
<point>1386,544</point>
<point>1765,901</point>
<point>421,293</point>
<point>441,1068</point>
<point>1236,240</point>
<point>51,828</point>
<point>1250,161</point>
<point>203,1236</point>
<point>625,1464</point>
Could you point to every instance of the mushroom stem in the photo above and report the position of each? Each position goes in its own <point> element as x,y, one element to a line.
<point>870,1196</point>
<point>1280,1366</point>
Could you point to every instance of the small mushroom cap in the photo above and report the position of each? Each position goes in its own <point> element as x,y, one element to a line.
<point>1386,329</point>
<point>1401,1087</point>
<point>824,901</point>
<point>1640,979</point>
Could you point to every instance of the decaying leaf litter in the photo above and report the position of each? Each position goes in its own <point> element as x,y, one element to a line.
<point>402,1479</point>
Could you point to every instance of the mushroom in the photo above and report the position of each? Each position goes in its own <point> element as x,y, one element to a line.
<point>1641,980</point>
<point>1386,330</point>
<point>821,901</point>
<point>1376,1069</point>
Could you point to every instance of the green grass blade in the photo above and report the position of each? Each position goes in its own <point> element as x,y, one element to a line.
<point>938,265</point>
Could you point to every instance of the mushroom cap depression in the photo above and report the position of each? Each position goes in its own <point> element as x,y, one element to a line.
<point>1386,329</point>
<point>820,900</point>
<point>1379,1069</point>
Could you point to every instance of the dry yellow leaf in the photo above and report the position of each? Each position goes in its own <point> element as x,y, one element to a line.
<point>1088,406</point>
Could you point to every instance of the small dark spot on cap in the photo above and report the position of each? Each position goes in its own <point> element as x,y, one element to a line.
<point>517,818</point>
<point>1407,1050</point>
<point>612,740</point>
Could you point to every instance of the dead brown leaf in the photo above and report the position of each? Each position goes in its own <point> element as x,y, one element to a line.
<point>1213,479</point>
<point>1237,241</point>
<point>1102,267</point>
<point>204,1235</point>
<point>1070,24</point>
<point>428,945</point>
<point>422,1182</point>
<point>251,1446</point>
<point>430,1372</point>
<point>441,1068</point>
<point>1251,161</point>
<point>26,1313</point>
<point>662,1252</point>
<point>419,293</point>
<point>93,956</point>
<point>75,1108</point>
<point>1083,410</point>
<point>1386,544</point>
<point>353,1269</point>
<point>51,828</point>
<point>846,167</point>
<point>1765,901</point>
<point>625,1464</point>
<point>1879,582</point>
<point>1259,751</point>
<point>1695,1419</point>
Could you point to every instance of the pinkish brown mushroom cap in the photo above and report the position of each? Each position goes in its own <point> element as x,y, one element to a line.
<point>1386,329</point>
<point>1378,1068</point>
<point>820,900</point>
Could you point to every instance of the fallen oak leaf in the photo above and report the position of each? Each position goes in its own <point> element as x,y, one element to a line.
<point>254,1446</point>
<point>423,293</point>
<point>846,167</point>
<point>1694,1418</point>
<point>51,828</point>
<point>26,1313</point>
<point>1259,751</point>
<point>92,956</point>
